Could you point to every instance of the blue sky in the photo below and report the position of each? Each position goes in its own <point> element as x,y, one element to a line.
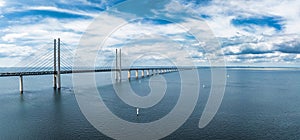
<point>251,33</point>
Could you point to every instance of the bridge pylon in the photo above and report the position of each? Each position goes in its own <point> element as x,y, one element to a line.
<point>56,65</point>
<point>118,67</point>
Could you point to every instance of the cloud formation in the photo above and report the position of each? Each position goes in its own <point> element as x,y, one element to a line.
<point>250,32</point>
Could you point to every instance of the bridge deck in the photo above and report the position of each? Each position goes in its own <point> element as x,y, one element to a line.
<point>86,71</point>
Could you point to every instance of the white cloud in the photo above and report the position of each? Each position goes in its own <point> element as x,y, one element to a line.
<point>220,15</point>
<point>45,31</point>
<point>2,3</point>
<point>11,50</point>
<point>50,8</point>
<point>13,36</point>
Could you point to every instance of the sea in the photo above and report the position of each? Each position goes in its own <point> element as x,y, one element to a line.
<point>258,103</point>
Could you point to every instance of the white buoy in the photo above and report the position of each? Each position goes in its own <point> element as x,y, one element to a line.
<point>227,75</point>
<point>137,111</point>
<point>203,86</point>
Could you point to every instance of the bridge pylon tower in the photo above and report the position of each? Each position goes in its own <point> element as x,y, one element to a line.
<point>118,66</point>
<point>56,64</point>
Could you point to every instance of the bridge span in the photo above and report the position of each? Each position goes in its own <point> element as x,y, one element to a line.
<point>56,72</point>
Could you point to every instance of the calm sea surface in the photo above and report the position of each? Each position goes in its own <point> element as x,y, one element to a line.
<point>258,104</point>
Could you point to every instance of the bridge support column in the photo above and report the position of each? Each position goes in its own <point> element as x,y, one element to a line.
<point>116,74</point>
<point>143,73</point>
<point>129,75</point>
<point>58,65</point>
<point>21,84</point>
<point>54,65</point>
<point>118,65</point>
<point>147,72</point>
<point>152,72</point>
<point>136,74</point>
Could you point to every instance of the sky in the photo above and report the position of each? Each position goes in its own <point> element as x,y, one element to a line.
<point>249,33</point>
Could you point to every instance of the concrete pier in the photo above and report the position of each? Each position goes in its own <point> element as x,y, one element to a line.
<point>129,74</point>
<point>136,74</point>
<point>148,73</point>
<point>143,73</point>
<point>21,84</point>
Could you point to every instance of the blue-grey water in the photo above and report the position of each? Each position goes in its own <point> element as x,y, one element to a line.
<point>258,104</point>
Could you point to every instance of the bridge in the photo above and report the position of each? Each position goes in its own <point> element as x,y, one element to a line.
<point>39,67</point>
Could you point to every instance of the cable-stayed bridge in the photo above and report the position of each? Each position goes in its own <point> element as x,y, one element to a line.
<point>59,61</point>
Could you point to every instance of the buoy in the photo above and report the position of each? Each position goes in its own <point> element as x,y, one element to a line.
<point>203,86</point>
<point>227,75</point>
<point>137,111</point>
